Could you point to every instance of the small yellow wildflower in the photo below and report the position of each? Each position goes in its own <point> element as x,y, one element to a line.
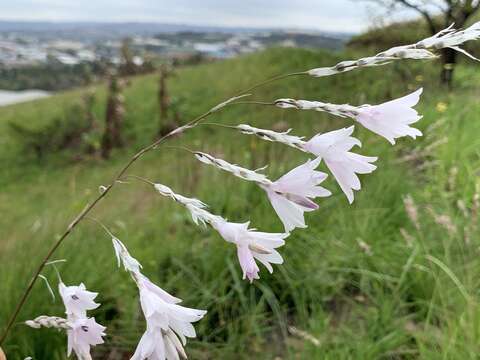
<point>441,107</point>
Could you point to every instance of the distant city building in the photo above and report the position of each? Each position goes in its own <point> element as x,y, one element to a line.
<point>23,48</point>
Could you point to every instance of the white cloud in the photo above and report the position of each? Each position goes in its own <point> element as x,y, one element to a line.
<point>333,15</point>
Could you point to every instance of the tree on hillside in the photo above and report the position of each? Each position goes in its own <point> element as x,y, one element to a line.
<point>112,136</point>
<point>169,113</point>
<point>438,14</point>
<point>128,66</point>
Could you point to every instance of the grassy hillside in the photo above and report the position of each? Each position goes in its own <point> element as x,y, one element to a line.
<point>363,280</point>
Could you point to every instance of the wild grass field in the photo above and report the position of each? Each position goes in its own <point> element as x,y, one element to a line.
<point>375,280</point>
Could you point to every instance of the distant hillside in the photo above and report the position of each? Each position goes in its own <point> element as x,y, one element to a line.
<point>380,38</point>
<point>115,30</point>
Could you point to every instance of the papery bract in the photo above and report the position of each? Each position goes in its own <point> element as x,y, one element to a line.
<point>123,256</point>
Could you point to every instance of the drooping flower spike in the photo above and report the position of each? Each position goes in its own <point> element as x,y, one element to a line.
<point>425,49</point>
<point>290,196</point>
<point>333,147</point>
<point>251,244</point>
<point>166,320</point>
<point>390,119</point>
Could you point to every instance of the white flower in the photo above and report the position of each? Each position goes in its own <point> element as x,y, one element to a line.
<point>83,333</point>
<point>159,345</point>
<point>291,195</point>
<point>392,119</point>
<point>166,321</point>
<point>252,245</point>
<point>334,148</point>
<point>77,299</point>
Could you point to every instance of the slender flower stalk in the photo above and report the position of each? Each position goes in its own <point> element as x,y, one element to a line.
<point>290,195</point>
<point>390,120</point>
<point>425,49</point>
<point>251,244</point>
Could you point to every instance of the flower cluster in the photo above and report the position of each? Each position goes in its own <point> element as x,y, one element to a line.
<point>82,331</point>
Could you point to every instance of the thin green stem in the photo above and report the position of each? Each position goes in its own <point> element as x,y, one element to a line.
<point>146,181</point>
<point>268,81</point>
<point>254,103</point>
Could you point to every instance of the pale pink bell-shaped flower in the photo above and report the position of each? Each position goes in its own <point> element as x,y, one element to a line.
<point>77,299</point>
<point>166,321</point>
<point>291,194</point>
<point>159,345</point>
<point>334,148</point>
<point>392,119</point>
<point>83,333</point>
<point>252,245</point>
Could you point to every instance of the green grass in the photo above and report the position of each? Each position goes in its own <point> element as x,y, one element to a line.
<point>388,299</point>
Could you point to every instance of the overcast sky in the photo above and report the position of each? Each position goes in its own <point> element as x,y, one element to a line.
<point>331,15</point>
